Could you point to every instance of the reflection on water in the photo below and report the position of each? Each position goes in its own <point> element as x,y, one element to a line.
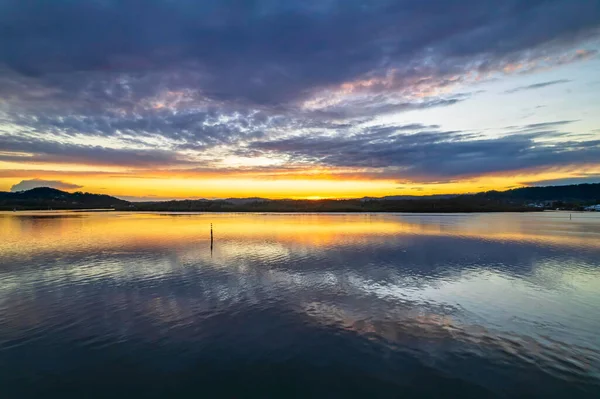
<point>304,305</point>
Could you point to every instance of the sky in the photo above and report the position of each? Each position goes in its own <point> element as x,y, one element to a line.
<point>161,99</point>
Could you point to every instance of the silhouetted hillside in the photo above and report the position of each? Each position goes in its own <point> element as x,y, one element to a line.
<point>517,200</point>
<point>578,192</point>
<point>50,198</point>
<point>464,204</point>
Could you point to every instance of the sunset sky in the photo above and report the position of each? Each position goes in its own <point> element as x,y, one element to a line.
<point>160,99</point>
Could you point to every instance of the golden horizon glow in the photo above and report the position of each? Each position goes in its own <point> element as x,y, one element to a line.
<point>303,185</point>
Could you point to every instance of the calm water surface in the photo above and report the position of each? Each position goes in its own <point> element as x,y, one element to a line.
<point>125,305</point>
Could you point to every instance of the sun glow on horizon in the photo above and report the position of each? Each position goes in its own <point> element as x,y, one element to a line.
<point>162,186</point>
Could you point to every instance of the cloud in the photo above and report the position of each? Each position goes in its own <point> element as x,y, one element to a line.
<point>436,156</point>
<point>547,125</point>
<point>537,86</point>
<point>33,183</point>
<point>405,153</point>
<point>180,84</point>
<point>202,129</point>
<point>265,53</point>
<point>35,150</point>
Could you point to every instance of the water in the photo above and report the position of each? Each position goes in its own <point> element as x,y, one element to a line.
<point>124,305</point>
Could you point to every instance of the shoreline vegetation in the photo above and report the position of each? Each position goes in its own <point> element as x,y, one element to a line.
<point>332,206</point>
<point>527,199</point>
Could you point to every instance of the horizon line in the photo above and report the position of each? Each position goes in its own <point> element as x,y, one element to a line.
<point>150,198</point>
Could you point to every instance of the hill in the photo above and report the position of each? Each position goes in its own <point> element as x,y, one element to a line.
<point>577,193</point>
<point>516,200</point>
<point>50,198</point>
<point>457,204</point>
<point>573,197</point>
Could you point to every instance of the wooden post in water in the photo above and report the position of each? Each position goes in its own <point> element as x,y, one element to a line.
<point>211,239</point>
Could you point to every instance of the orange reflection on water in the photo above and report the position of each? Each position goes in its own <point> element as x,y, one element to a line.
<point>29,233</point>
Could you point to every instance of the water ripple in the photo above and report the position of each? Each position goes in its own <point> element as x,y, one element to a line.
<point>319,305</point>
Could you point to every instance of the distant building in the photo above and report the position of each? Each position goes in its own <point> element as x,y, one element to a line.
<point>593,208</point>
<point>535,205</point>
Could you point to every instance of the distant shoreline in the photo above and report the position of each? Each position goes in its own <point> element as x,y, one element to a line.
<point>273,211</point>
<point>529,199</point>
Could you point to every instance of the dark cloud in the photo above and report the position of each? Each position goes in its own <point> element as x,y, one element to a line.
<point>203,128</point>
<point>537,86</point>
<point>199,129</point>
<point>358,109</point>
<point>33,183</point>
<point>266,52</point>
<point>34,150</point>
<point>436,155</point>
<point>547,125</point>
<point>540,126</point>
